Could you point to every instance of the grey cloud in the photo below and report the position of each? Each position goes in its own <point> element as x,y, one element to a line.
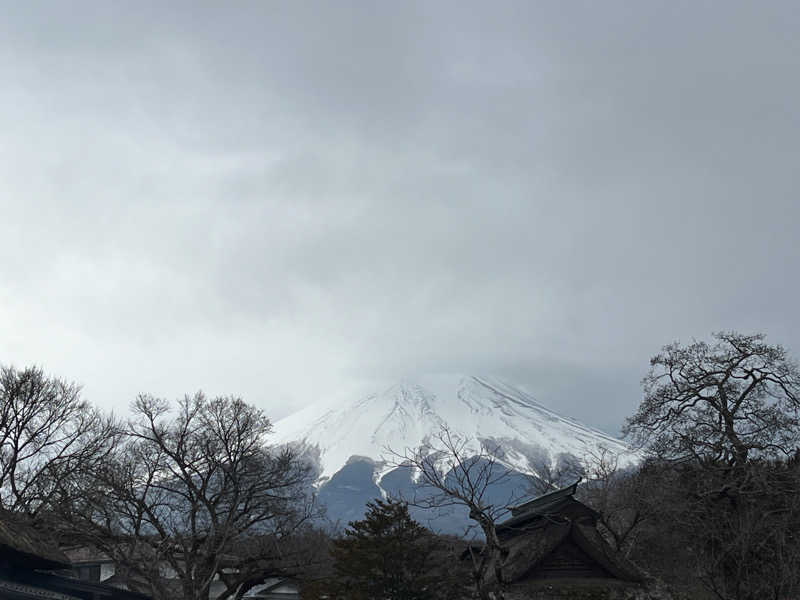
<point>289,200</point>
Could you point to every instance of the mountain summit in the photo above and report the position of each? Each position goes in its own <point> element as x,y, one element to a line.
<point>408,414</point>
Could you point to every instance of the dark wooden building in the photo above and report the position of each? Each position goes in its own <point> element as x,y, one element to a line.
<point>554,550</point>
<point>32,567</point>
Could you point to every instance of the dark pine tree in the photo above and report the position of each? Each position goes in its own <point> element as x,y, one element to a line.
<point>389,556</point>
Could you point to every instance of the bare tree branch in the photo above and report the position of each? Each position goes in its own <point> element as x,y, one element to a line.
<point>726,401</point>
<point>49,437</point>
<point>450,472</point>
<point>198,490</point>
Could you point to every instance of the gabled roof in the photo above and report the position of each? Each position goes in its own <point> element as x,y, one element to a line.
<point>77,588</point>
<point>527,552</point>
<point>21,542</point>
<point>559,504</point>
<point>540,526</point>
<point>543,503</point>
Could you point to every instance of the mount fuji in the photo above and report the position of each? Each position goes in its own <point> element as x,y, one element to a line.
<point>354,445</point>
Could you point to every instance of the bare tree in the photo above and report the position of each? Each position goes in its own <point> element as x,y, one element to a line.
<point>618,496</point>
<point>451,473</point>
<point>195,497</point>
<point>720,402</point>
<point>722,421</point>
<point>49,439</point>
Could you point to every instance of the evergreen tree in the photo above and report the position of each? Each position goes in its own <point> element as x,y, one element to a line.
<point>389,556</point>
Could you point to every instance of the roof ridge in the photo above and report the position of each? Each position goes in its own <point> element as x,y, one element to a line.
<point>544,499</point>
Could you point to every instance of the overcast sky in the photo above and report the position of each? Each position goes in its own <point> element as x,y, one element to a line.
<point>294,201</point>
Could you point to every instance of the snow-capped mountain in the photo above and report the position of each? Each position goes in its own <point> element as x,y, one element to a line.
<point>355,444</point>
<point>406,415</point>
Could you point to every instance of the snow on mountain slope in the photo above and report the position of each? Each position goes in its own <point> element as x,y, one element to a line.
<point>405,415</point>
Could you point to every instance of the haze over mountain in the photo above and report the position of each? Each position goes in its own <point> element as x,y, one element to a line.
<point>355,444</point>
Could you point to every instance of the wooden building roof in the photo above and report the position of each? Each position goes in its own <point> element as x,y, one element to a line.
<point>567,549</point>
<point>544,502</point>
<point>559,504</point>
<point>33,568</point>
<point>556,536</point>
<point>21,542</point>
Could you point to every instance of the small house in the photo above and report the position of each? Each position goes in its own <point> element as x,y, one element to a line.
<point>33,567</point>
<point>555,550</point>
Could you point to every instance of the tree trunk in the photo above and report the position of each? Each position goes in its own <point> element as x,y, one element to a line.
<point>494,557</point>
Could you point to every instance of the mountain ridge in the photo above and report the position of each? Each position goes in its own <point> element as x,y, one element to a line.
<point>357,446</point>
<point>406,414</point>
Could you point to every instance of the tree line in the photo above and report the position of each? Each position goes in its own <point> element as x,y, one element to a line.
<point>196,487</point>
<point>192,489</point>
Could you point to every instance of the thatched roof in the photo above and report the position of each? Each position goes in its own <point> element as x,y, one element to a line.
<point>540,527</point>
<point>558,503</point>
<point>526,552</point>
<point>21,542</point>
<point>545,502</point>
